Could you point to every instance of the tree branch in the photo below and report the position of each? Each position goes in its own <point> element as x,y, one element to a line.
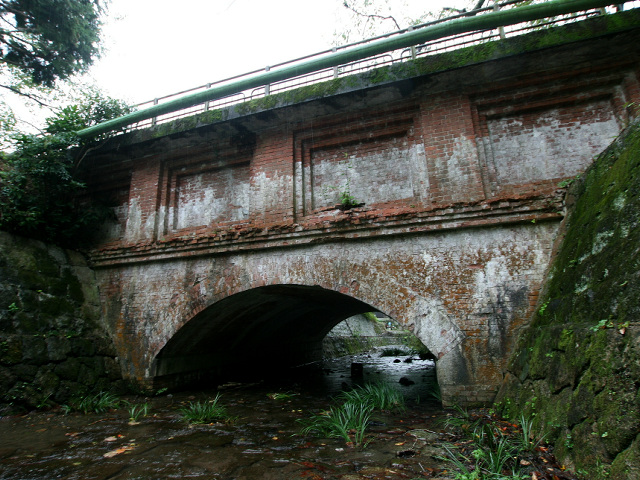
<point>346,4</point>
<point>479,4</point>
<point>24,94</point>
<point>471,13</point>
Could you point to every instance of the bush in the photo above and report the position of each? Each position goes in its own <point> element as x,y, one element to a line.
<point>40,190</point>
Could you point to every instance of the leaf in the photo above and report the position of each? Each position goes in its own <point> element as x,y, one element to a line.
<point>118,451</point>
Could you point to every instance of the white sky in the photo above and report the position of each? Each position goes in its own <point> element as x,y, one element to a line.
<point>155,48</point>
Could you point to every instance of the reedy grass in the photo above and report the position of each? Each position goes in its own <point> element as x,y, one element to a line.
<point>381,396</point>
<point>136,411</point>
<point>204,412</point>
<point>98,403</point>
<point>494,451</point>
<point>528,441</point>
<point>347,421</point>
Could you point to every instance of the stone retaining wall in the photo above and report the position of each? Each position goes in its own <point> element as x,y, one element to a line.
<point>577,367</point>
<point>52,347</point>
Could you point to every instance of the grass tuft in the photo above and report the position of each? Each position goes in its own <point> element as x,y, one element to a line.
<point>350,419</point>
<point>380,396</point>
<point>99,403</point>
<point>205,412</point>
<point>137,411</point>
<point>347,421</point>
<point>493,448</point>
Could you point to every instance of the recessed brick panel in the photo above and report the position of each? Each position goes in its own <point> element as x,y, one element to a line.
<point>551,143</point>
<point>375,158</point>
<point>113,229</point>
<point>375,172</point>
<point>205,198</point>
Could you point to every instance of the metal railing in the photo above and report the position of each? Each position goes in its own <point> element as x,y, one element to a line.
<point>437,46</point>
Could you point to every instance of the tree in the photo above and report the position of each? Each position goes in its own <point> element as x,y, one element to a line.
<point>40,193</point>
<point>48,40</point>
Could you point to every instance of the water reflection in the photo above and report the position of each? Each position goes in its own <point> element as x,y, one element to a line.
<point>413,376</point>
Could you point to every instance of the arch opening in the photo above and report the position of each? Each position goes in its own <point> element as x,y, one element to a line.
<point>253,332</point>
<point>259,333</point>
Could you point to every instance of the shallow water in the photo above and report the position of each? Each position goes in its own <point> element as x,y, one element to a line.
<point>263,441</point>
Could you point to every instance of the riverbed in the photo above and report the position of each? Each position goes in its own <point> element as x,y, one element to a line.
<point>262,440</point>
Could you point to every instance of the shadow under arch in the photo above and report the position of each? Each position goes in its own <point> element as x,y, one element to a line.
<point>258,330</point>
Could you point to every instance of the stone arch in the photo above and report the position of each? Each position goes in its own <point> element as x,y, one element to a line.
<point>464,294</point>
<point>375,282</point>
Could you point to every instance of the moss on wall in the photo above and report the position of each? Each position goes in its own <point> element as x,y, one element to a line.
<point>577,367</point>
<point>52,347</point>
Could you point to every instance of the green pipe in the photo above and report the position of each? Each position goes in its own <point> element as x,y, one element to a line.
<point>407,39</point>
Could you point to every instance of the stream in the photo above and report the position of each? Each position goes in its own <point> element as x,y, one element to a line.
<point>263,440</point>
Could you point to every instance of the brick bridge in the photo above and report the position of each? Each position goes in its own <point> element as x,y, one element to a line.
<point>232,246</point>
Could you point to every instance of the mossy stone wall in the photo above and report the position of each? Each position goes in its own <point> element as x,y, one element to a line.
<point>52,347</point>
<point>577,367</point>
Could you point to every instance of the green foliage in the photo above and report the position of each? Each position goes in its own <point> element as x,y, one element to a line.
<point>380,396</point>
<point>371,317</point>
<point>98,403</point>
<point>415,345</point>
<point>137,411</point>
<point>347,421</point>
<point>347,200</point>
<point>528,441</point>
<point>393,352</point>
<point>40,192</point>
<point>205,412</point>
<point>494,446</point>
<point>90,108</point>
<point>49,39</point>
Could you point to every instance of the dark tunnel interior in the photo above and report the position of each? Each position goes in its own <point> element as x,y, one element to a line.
<point>262,330</point>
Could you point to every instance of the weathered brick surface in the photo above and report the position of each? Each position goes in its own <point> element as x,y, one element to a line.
<point>463,293</point>
<point>458,173</point>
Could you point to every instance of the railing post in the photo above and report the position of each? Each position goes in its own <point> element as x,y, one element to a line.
<point>206,104</point>
<point>335,69</point>
<point>413,47</point>
<point>267,87</point>
<point>496,8</point>
<point>154,119</point>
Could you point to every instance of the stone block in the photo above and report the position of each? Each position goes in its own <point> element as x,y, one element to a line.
<point>58,348</point>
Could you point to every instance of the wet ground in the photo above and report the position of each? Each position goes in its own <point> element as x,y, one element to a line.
<point>263,440</point>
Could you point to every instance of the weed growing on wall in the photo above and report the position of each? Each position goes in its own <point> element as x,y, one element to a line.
<point>345,195</point>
